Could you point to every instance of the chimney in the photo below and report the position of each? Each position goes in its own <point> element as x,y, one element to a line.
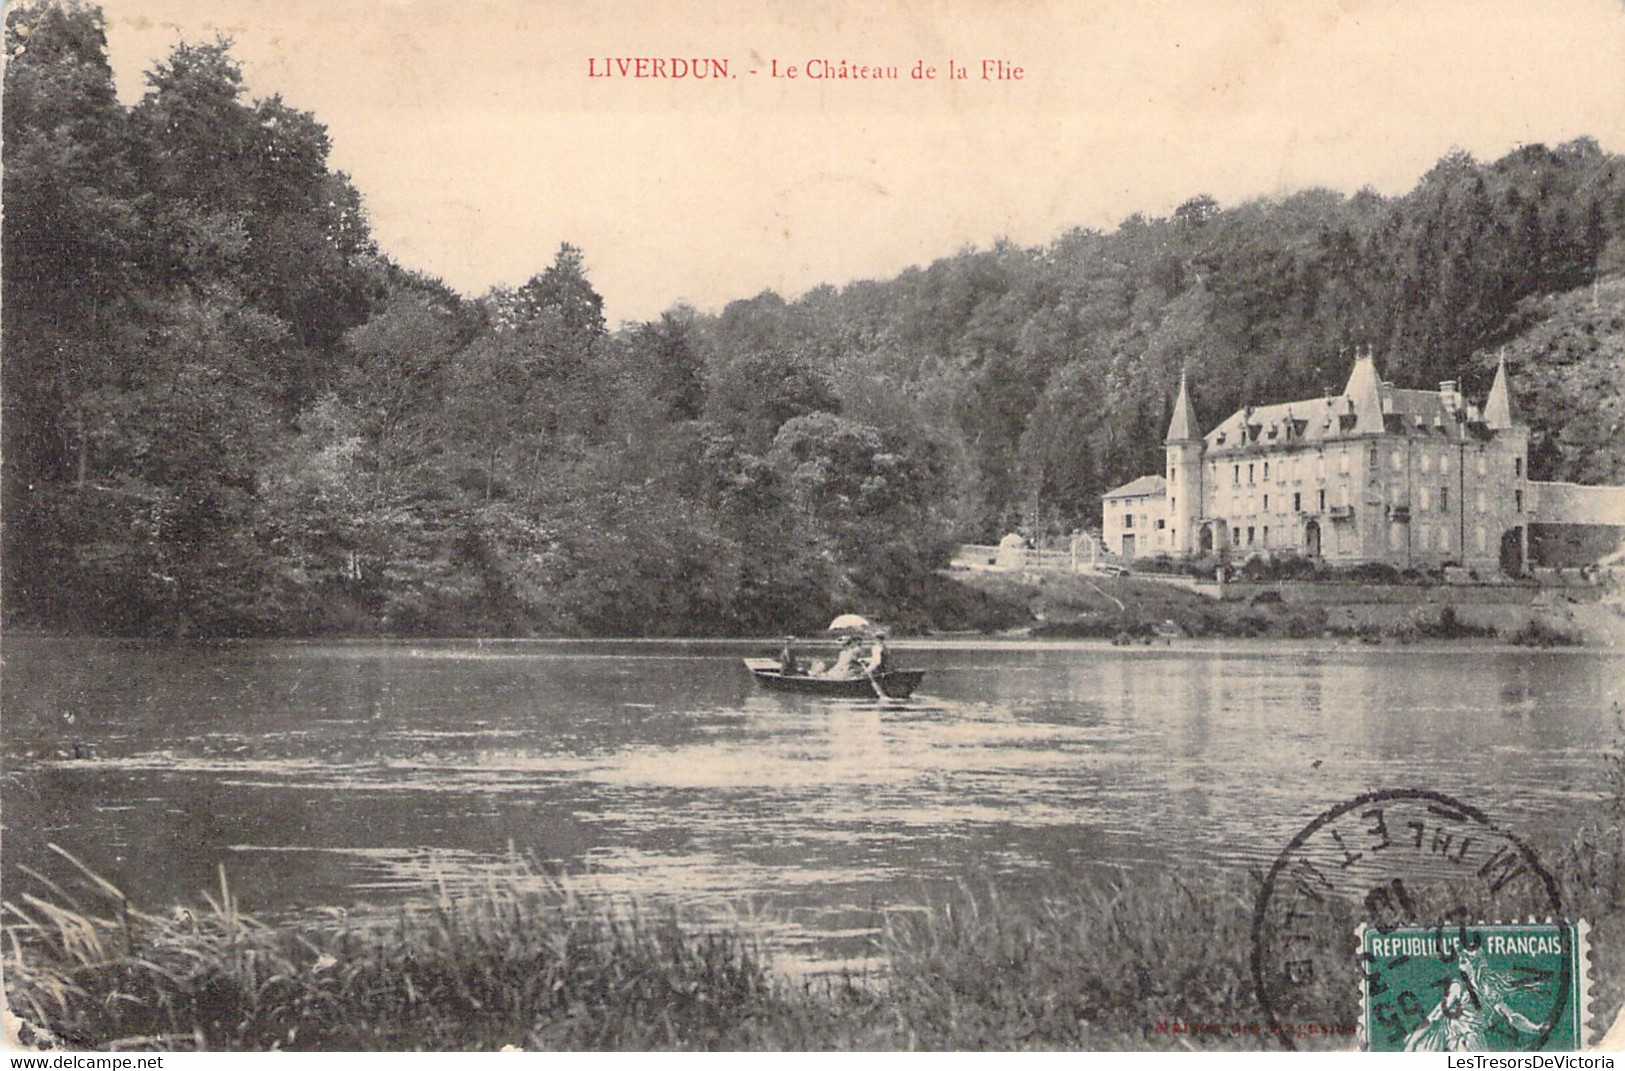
<point>1450,395</point>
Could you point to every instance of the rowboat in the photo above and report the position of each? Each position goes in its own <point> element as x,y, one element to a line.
<point>895,683</point>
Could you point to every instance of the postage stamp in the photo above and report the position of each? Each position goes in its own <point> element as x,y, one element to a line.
<point>1412,862</point>
<point>1492,987</point>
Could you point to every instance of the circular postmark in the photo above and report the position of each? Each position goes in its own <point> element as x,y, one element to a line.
<point>1386,860</point>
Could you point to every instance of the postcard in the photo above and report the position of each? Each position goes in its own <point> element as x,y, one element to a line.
<point>531,526</point>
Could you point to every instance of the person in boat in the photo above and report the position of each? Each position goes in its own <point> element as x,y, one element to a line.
<point>846,664</point>
<point>789,665</point>
<point>879,657</point>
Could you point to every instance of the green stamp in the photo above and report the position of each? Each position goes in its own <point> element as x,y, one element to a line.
<point>1491,987</point>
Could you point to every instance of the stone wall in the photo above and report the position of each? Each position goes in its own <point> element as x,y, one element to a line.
<point>1573,503</point>
<point>1313,593</point>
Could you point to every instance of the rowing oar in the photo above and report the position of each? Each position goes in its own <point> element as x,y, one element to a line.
<point>879,691</point>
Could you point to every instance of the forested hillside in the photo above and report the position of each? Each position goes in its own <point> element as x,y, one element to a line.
<point>228,412</point>
<point>1570,355</point>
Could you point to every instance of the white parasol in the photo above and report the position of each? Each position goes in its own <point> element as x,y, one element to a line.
<point>850,623</point>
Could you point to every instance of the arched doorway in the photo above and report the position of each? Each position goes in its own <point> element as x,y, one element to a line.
<point>1205,540</point>
<point>1512,552</point>
<point>1311,539</point>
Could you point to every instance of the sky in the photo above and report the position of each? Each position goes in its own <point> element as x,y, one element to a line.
<point>480,142</point>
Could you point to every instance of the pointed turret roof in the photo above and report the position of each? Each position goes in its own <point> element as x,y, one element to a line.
<point>1183,428</point>
<point>1364,391</point>
<point>1499,411</point>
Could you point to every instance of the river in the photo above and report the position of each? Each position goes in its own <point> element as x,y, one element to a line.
<point>342,774</point>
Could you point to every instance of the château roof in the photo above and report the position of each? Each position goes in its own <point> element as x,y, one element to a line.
<point>1145,485</point>
<point>1367,406</point>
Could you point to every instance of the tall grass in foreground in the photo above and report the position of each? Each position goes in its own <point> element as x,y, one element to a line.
<point>530,963</point>
<point>524,963</point>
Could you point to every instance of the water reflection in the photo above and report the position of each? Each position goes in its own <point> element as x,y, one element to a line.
<point>325,774</point>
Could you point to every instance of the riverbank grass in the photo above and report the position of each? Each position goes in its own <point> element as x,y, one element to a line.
<point>526,962</point>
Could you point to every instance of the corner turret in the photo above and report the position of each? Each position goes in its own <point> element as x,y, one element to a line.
<point>1184,446</point>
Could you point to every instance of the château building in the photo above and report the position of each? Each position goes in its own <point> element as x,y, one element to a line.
<point>1409,478</point>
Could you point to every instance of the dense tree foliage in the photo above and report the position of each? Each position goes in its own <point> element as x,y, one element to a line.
<point>227,412</point>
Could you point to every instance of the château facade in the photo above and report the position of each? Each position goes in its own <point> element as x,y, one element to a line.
<point>1408,478</point>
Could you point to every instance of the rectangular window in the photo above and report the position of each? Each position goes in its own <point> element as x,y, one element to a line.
<point>1266,535</point>
<point>1478,537</point>
<point>1266,503</point>
<point>1128,520</point>
<point>1235,536</point>
<point>1323,499</point>
<point>1266,471</point>
<point>1517,467</point>
<point>1297,502</point>
<point>1396,461</point>
<point>1249,473</point>
<point>1480,500</point>
<point>1235,477</point>
<point>1444,462</point>
<point>1483,465</point>
<point>1376,457</point>
<point>1396,537</point>
<point>1173,504</point>
<point>1161,524</point>
<point>1249,535</point>
<point>1444,499</point>
<point>1423,497</point>
<point>1427,461</point>
<point>1517,500</point>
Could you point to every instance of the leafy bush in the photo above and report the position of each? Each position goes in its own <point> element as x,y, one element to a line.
<point>1373,573</point>
<point>1449,626</point>
<point>1537,633</point>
